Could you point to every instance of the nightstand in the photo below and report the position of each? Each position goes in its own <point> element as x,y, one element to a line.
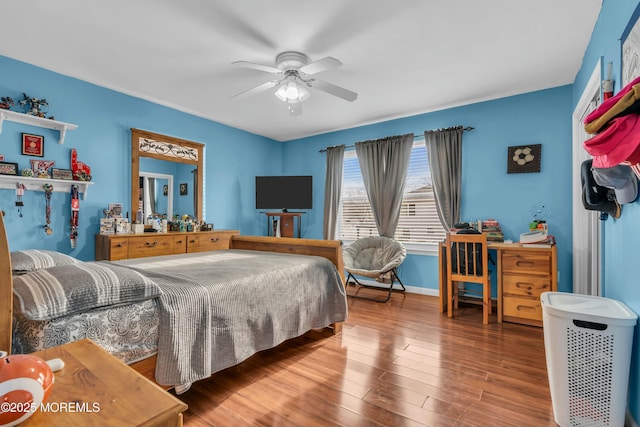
<point>96,389</point>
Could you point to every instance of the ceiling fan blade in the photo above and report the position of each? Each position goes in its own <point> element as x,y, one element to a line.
<point>295,109</point>
<point>259,67</point>
<point>338,91</point>
<point>320,65</point>
<point>260,88</point>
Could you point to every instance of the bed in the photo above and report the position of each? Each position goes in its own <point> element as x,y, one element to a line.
<point>179,318</point>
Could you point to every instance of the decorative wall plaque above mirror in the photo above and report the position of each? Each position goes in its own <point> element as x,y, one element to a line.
<point>167,155</point>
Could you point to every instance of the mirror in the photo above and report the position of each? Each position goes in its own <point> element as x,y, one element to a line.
<point>157,194</point>
<point>158,157</point>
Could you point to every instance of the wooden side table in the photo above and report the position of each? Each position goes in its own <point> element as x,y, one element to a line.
<point>96,389</point>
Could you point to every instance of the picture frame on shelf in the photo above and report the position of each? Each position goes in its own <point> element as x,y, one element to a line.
<point>32,145</point>
<point>8,168</point>
<point>61,174</point>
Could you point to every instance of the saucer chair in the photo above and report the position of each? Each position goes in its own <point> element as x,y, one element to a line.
<point>374,257</point>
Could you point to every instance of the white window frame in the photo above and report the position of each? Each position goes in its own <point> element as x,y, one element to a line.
<point>423,248</point>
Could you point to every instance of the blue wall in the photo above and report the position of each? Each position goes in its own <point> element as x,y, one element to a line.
<point>103,141</point>
<point>542,117</point>
<point>621,237</point>
<point>104,118</point>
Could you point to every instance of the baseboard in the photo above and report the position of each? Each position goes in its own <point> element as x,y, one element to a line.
<point>410,289</point>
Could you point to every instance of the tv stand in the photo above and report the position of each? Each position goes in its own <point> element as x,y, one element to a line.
<point>286,221</point>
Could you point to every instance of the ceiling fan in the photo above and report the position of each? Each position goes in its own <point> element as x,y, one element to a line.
<point>293,75</point>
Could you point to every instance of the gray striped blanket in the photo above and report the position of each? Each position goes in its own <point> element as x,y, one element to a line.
<point>219,308</point>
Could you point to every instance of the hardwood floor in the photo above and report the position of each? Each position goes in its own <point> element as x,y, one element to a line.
<point>400,363</point>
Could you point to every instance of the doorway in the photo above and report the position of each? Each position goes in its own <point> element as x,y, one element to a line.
<point>586,223</point>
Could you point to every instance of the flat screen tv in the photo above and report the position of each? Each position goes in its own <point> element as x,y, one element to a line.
<point>284,192</point>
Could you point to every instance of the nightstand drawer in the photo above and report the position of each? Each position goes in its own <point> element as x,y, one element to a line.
<point>524,308</point>
<point>525,285</point>
<point>526,262</point>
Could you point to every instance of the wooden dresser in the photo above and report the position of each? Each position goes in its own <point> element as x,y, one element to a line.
<point>523,274</point>
<point>112,247</point>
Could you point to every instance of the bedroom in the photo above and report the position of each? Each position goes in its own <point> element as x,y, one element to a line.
<point>102,140</point>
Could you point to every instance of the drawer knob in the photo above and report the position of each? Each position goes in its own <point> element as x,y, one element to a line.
<point>119,245</point>
<point>192,241</point>
<point>179,241</point>
<point>526,308</point>
<point>150,245</point>
<point>215,239</point>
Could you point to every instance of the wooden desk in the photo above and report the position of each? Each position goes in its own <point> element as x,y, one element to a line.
<point>100,390</point>
<point>523,273</point>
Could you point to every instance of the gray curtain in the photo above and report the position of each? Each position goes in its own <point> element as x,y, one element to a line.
<point>444,148</point>
<point>384,163</point>
<point>332,190</point>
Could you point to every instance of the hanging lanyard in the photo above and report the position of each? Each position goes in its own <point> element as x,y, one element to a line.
<point>75,210</point>
<point>48,189</point>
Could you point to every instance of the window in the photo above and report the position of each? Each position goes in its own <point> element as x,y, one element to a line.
<point>419,225</point>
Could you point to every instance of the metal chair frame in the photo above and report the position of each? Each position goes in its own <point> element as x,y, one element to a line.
<point>394,278</point>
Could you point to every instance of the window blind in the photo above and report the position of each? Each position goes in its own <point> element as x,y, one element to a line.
<point>418,223</point>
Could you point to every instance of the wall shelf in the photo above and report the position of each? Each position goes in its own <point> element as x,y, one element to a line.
<point>35,184</point>
<point>42,122</point>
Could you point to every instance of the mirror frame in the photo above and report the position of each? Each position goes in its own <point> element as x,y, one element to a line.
<point>164,148</point>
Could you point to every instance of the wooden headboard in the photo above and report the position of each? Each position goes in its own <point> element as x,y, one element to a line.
<point>6,290</point>
<point>330,249</point>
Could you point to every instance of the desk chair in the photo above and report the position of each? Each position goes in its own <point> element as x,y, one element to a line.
<point>468,261</point>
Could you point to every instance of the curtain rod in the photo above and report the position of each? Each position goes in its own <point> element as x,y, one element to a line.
<point>468,128</point>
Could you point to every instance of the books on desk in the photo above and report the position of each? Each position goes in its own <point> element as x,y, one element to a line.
<point>492,228</point>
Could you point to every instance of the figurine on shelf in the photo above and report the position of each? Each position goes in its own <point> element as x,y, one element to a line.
<point>81,171</point>
<point>6,102</point>
<point>34,105</point>
<point>41,168</point>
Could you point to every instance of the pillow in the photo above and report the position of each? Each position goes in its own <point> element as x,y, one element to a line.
<point>34,259</point>
<point>75,288</point>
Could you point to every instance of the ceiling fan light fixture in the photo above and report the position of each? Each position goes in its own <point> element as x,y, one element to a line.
<point>281,93</point>
<point>292,92</point>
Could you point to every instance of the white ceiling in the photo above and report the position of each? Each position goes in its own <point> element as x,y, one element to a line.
<point>402,57</point>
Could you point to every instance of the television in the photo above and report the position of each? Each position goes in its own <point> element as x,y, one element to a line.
<point>284,192</point>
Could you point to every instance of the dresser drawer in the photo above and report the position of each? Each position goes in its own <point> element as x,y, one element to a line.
<point>118,248</point>
<point>150,246</point>
<point>525,285</point>
<point>523,308</point>
<point>526,262</point>
<point>180,244</point>
<point>213,241</point>
<point>208,241</point>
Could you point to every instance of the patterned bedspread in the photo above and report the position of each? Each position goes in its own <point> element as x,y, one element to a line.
<point>221,307</point>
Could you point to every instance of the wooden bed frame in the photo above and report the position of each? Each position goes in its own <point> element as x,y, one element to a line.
<point>330,249</point>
